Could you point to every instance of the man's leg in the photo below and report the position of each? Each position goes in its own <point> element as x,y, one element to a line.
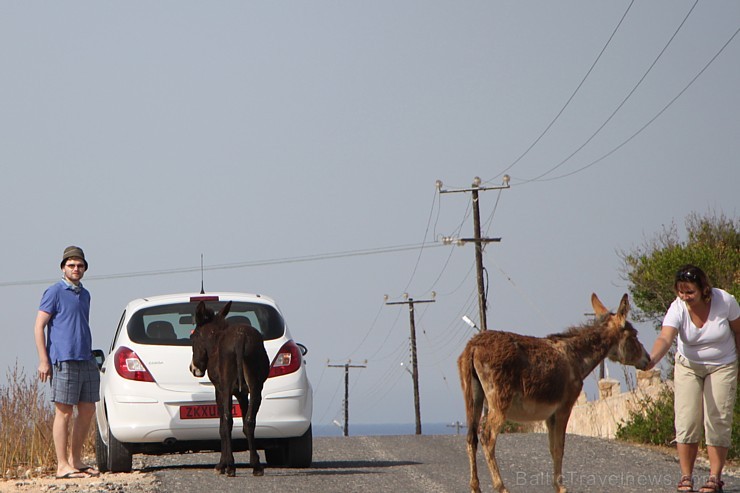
<point>62,417</point>
<point>80,430</point>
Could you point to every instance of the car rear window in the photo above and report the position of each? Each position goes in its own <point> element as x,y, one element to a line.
<point>171,325</point>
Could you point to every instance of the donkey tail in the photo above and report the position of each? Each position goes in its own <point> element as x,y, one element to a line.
<point>241,369</point>
<point>471,389</point>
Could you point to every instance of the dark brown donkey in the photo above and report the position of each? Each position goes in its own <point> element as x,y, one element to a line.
<point>524,378</point>
<point>237,364</point>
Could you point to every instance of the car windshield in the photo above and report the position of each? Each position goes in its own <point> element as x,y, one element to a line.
<point>171,325</point>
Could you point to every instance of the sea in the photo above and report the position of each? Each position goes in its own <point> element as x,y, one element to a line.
<point>332,430</point>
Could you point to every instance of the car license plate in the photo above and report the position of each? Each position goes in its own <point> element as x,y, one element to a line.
<point>206,411</point>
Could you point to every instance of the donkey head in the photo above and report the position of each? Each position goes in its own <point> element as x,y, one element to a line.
<point>207,324</point>
<point>628,350</point>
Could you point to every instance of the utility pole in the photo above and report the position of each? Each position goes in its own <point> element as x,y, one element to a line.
<point>346,367</point>
<point>602,365</point>
<point>458,426</point>
<point>414,365</point>
<point>478,240</point>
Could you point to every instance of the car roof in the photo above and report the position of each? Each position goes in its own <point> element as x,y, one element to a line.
<point>165,299</point>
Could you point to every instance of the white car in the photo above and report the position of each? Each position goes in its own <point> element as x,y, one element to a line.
<point>150,403</point>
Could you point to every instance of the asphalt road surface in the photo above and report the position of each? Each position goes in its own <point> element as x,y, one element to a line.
<point>434,464</point>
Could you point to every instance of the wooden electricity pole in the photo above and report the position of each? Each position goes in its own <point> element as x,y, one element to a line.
<point>414,364</point>
<point>478,240</point>
<point>346,367</point>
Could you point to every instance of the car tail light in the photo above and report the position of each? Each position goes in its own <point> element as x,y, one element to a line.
<point>288,360</point>
<point>130,367</point>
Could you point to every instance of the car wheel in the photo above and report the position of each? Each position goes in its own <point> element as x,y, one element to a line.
<point>119,455</point>
<point>299,450</point>
<point>101,452</point>
<point>275,457</point>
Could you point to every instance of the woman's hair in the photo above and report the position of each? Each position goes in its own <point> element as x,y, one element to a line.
<point>693,274</point>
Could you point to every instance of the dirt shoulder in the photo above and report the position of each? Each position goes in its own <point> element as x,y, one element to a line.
<point>136,482</point>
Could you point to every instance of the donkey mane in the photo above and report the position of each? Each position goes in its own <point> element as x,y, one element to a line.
<point>593,338</point>
<point>578,330</point>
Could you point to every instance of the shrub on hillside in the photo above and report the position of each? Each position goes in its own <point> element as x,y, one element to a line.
<point>654,423</point>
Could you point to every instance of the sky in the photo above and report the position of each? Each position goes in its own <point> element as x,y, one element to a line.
<point>295,147</point>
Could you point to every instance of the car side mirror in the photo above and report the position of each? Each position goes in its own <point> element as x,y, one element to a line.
<point>304,349</point>
<point>99,356</point>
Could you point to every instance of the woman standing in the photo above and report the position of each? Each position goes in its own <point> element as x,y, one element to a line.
<point>707,323</point>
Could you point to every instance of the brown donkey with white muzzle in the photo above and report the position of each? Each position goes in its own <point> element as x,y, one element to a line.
<point>524,378</point>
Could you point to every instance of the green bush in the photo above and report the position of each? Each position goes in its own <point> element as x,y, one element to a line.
<point>653,423</point>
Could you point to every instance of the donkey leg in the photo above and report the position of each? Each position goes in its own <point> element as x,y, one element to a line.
<point>493,421</point>
<point>226,463</point>
<point>556,425</point>
<point>250,405</point>
<point>472,441</point>
<point>473,395</point>
<point>474,412</point>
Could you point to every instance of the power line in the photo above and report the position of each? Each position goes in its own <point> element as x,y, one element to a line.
<point>367,334</point>
<point>238,265</point>
<point>578,88</point>
<point>387,335</point>
<point>426,233</point>
<point>649,122</point>
<point>626,98</point>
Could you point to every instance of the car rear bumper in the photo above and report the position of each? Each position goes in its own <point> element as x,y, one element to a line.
<point>136,419</point>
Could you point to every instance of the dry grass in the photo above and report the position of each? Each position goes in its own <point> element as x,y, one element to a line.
<point>26,417</point>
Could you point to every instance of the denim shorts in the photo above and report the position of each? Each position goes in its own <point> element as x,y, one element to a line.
<point>75,381</point>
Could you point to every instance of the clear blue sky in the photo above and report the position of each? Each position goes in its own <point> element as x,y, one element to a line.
<point>150,133</point>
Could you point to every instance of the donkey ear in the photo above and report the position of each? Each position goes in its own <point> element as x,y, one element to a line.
<point>599,307</point>
<point>624,306</point>
<point>225,309</point>
<point>200,313</point>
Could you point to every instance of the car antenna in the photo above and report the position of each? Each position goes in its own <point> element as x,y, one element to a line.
<point>202,291</point>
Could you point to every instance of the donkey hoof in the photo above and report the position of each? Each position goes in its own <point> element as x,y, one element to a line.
<point>258,471</point>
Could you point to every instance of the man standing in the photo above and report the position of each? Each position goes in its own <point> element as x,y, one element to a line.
<point>65,357</point>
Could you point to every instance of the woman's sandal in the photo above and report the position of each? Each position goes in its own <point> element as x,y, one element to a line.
<point>686,484</point>
<point>713,485</point>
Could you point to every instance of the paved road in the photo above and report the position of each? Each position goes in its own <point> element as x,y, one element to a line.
<point>433,464</point>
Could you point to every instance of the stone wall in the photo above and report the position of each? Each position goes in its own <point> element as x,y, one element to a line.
<point>600,418</point>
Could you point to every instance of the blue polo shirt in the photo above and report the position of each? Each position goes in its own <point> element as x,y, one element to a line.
<point>68,331</point>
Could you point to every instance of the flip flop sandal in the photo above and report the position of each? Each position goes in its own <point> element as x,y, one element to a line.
<point>90,470</point>
<point>713,485</point>
<point>74,475</point>
<point>686,484</point>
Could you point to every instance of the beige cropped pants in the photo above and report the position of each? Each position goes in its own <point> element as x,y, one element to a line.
<point>704,398</point>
